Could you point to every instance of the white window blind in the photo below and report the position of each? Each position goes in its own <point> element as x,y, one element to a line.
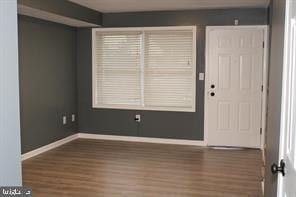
<point>118,68</point>
<point>169,73</point>
<point>144,68</point>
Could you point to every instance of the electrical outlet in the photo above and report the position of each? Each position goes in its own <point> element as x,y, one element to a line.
<point>201,76</point>
<point>73,117</point>
<point>138,118</point>
<point>64,120</point>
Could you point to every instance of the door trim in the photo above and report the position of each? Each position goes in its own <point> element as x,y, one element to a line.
<point>265,29</point>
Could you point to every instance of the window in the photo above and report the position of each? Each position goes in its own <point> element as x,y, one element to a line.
<point>144,68</point>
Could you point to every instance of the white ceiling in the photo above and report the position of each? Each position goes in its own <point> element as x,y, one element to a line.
<point>158,5</point>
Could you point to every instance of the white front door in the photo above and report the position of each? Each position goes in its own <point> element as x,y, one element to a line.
<point>287,183</point>
<point>234,79</point>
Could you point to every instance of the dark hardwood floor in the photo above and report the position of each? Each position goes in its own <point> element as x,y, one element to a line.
<point>111,168</point>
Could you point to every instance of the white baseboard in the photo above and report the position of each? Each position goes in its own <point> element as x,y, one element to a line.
<point>48,147</point>
<point>109,137</point>
<point>262,187</point>
<point>263,157</point>
<point>141,139</point>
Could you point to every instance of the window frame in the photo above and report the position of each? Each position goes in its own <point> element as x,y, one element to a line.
<point>142,106</point>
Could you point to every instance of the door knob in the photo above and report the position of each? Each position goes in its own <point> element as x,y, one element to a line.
<point>278,169</point>
<point>212,94</point>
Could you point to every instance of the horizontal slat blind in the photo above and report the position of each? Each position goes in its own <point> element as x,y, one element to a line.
<point>169,73</point>
<point>118,68</point>
<point>144,68</point>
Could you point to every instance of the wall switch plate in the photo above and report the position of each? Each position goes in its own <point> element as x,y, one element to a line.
<point>64,120</point>
<point>138,118</point>
<point>236,22</point>
<point>73,117</point>
<point>201,76</point>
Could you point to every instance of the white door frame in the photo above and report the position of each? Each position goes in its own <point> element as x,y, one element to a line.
<point>265,28</point>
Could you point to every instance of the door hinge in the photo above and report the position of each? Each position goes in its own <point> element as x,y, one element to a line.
<point>260,131</point>
<point>262,88</point>
<point>263,44</point>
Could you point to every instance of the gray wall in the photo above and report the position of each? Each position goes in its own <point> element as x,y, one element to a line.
<point>194,17</point>
<point>275,91</point>
<point>177,125</point>
<point>47,56</point>
<point>10,150</point>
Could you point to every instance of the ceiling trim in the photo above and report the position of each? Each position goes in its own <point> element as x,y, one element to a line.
<point>64,8</point>
<point>121,6</point>
<point>36,13</point>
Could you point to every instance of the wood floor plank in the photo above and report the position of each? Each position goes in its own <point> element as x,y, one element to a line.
<point>111,168</point>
